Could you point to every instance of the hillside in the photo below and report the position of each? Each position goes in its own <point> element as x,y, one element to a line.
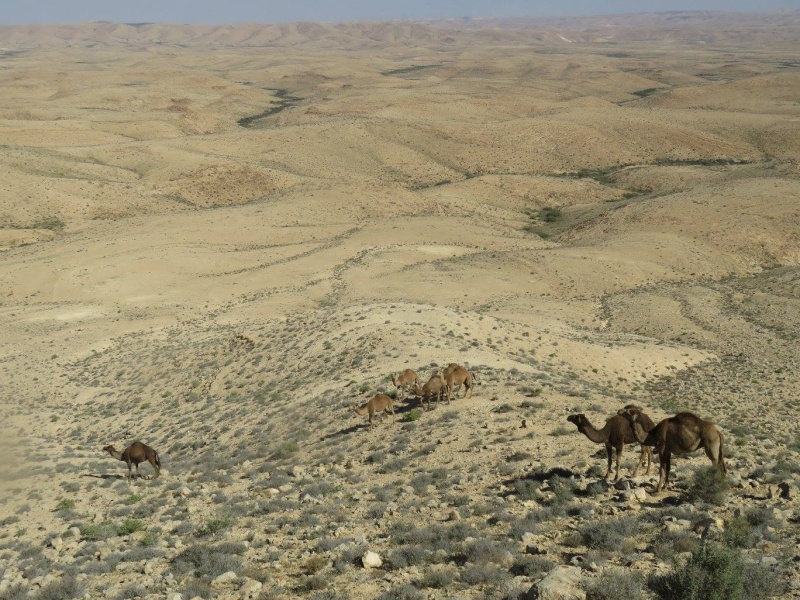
<point>216,240</point>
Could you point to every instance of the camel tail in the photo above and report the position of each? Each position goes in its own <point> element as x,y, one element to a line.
<point>158,460</point>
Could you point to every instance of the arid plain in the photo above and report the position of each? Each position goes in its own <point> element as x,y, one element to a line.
<point>215,240</point>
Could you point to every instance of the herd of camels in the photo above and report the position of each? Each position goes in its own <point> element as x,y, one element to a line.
<point>682,434</point>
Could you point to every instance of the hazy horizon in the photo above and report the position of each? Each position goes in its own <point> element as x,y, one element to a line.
<point>204,12</point>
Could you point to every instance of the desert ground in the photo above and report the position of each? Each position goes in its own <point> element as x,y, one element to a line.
<point>217,240</point>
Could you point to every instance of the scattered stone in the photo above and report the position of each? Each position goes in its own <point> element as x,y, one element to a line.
<point>174,596</point>
<point>185,491</point>
<point>74,532</point>
<point>371,560</point>
<point>226,577</point>
<point>562,583</point>
<point>272,492</point>
<point>298,472</point>
<point>454,515</point>
<point>56,543</point>
<point>251,588</point>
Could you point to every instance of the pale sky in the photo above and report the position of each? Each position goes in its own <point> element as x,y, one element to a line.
<point>211,12</point>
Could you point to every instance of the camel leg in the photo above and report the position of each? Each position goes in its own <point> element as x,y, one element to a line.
<point>619,454</point>
<point>649,459</point>
<point>640,463</point>
<point>714,453</point>
<point>608,454</point>
<point>664,468</point>
<point>391,407</point>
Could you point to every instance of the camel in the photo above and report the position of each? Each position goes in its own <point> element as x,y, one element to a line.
<point>456,376</point>
<point>682,434</point>
<point>435,386</point>
<point>615,434</point>
<point>137,453</point>
<point>380,403</point>
<point>406,380</point>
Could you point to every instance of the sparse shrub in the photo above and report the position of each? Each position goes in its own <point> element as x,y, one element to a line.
<point>313,582</point>
<point>66,587</point>
<point>739,534</point>
<point>483,574</point>
<point>410,555</point>
<point>132,591</point>
<point>212,526</point>
<point>315,564</point>
<point>285,450</point>
<point>209,561</point>
<point>563,490</point>
<point>98,531</point>
<point>549,214</point>
<point>669,543</point>
<point>404,591</point>
<point>616,585</point>
<point>531,565</point>
<point>483,551</point>
<point>708,485</point>
<point>437,578</point>
<point>561,430</point>
<point>130,526</point>
<point>613,534</point>
<point>411,415</point>
<point>196,588</point>
<point>525,489</point>
<point>713,572</point>
<point>15,592</point>
<point>65,504</point>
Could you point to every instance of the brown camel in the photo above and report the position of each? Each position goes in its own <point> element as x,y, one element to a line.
<point>615,434</point>
<point>682,434</point>
<point>380,404</point>
<point>137,453</point>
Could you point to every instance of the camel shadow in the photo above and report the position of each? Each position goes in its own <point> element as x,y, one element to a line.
<point>104,476</point>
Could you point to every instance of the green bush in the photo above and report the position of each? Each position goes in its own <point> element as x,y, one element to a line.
<point>708,485</point>
<point>616,585</point>
<point>65,504</point>
<point>411,415</point>
<point>212,526</point>
<point>614,534</point>
<point>130,526</point>
<point>713,572</point>
<point>97,531</point>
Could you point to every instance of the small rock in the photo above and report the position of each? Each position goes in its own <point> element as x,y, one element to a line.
<point>174,596</point>
<point>298,472</point>
<point>74,532</point>
<point>56,543</point>
<point>251,589</point>
<point>286,487</point>
<point>454,515</point>
<point>562,583</point>
<point>226,577</point>
<point>272,492</point>
<point>185,491</point>
<point>371,560</point>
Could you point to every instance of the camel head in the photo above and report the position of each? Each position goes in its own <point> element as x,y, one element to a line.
<point>110,449</point>
<point>579,420</point>
<point>630,412</point>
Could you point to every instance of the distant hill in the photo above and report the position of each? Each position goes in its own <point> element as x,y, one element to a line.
<point>685,27</point>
